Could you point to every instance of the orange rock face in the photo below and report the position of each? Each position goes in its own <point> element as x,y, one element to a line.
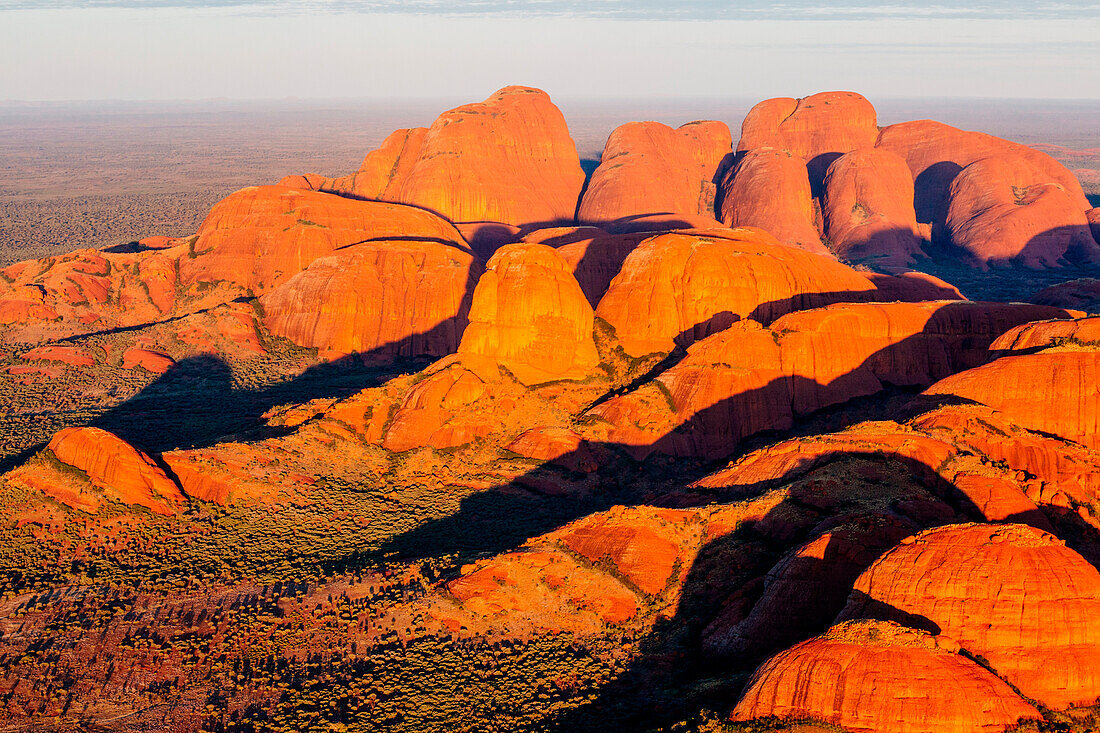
<point>260,237</point>
<point>1010,593</point>
<point>868,208</point>
<point>648,168</point>
<point>115,465</point>
<point>997,215</point>
<point>508,159</point>
<point>151,361</point>
<point>936,153</point>
<point>71,355</point>
<point>875,676</point>
<point>1093,217</point>
<point>530,316</point>
<point>381,299</point>
<point>678,288</point>
<point>1042,334</point>
<point>598,258</point>
<point>768,189</point>
<point>818,128</point>
<point>747,379</point>
<point>86,291</point>
<point>1024,389</point>
<point>426,416</point>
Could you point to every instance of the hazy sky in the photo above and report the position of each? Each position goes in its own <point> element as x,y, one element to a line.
<point>186,49</point>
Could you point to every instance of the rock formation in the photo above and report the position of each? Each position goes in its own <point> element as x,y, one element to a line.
<point>261,236</point>
<point>1024,389</point>
<point>508,159</point>
<point>1082,293</point>
<point>882,678</point>
<point>677,288</point>
<point>768,189</point>
<point>818,129</point>
<point>1013,595</point>
<point>868,209</point>
<point>379,299</point>
<point>648,168</point>
<point>117,467</point>
<point>998,215</point>
<point>530,316</point>
<point>936,153</point>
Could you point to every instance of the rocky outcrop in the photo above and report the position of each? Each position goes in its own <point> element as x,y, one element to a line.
<point>1079,333</point>
<point>868,209</point>
<point>1024,389</point>
<point>936,153</point>
<point>768,189</point>
<point>1082,293</point>
<point>151,361</point>
<point>913,287</point>
<point>649,168</point>
<point>1015,596</point>
<point>882,678</point>
<point>678,288</point>
<point>260,237</point>
<point>509,159</point>
<point>818,129</point>
<point>530,316</point>
<point>598,258</point>
<point>380,300</point>
<point>997,214</point>
<point>118,468</point>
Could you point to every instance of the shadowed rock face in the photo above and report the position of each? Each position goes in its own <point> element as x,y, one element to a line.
<point>998,214</point>
<point>818,129</point>
<point>936,153</point>
<point>678,288</point>
<point>260,237</point>
<point>530,316</point>
<point>875,676</point>
<point>649,168</point>
<point>1081,293</point>
<point>1014,595</point>
<point>1026,389</point>
<point>868,208</point>
<point>389,298</point>
<point>768,189</point>
<point>748,378</point>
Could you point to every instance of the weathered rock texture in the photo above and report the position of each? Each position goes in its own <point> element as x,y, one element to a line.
<point>769,189</point>
<point>116,466</point>
<point>868,209</point>
<point>997,214</point>
<point>260,237</point>
<point>875,676</point>
<point>1014,595</point>
<point>530,315</point>
<point>649,168</point>
<point>379,299</point>
<point>1052,392</point>
<point>678,288</point>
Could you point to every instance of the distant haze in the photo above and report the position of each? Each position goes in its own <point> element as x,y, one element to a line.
<point>178,49</point>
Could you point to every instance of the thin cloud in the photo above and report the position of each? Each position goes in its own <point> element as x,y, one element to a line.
<point>612,9</point>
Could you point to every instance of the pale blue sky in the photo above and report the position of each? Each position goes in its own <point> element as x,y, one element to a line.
<point>184,49</point>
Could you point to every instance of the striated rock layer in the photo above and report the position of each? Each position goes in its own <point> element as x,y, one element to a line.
<point>882,678</point>
<point>1014,595</point>
<point>530,315</point>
